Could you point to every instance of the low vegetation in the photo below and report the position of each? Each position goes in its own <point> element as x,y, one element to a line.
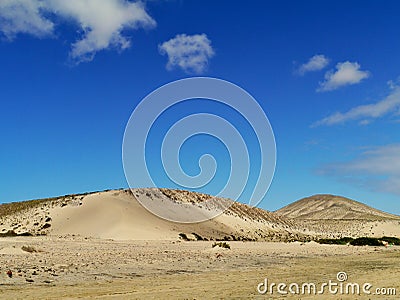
<point>391,240</point>
<point>362,241</point>
<point>184,237</point>
<point>29,249</point>
<point>341,241</point>
<point>12,233</point>
<point>14,207</point>
<point>366,241</point>
<point>222,245</point>
<point>198,237</point>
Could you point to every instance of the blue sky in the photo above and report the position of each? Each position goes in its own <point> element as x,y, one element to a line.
<point>326,74</point>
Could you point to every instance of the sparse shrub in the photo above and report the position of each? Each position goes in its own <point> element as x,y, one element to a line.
<point>7,209</point>
<point>12,233</point>
<point>46,225</point>
<point>391,240</point>
<point>222,245</point>
<point>198,237</point>
<point>341,241</point>
<point>24,234</point>
<point>361,241</point>
<point>9,233</point>
<point>366,241</point>
<point>184,237</point>
<point>29,249</point>
<point>225,238</point>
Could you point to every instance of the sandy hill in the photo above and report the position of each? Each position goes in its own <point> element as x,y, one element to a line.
<point>117,214</point>
<point>320,207</point>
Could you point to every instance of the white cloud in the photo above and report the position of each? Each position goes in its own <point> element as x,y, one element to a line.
<point>365,113</point>
<point>191,53</point>
<point>378,169</point>
<point>315,63</point>
<point>24,16</point>
<point>347,73</point>
<point>101,22</point>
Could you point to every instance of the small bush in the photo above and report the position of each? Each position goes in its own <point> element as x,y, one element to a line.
<point>198,236</point>
<point>341,241</point>
<point>12,233</point>
<point>391,240</point>
<point>29,249</point>
<point>222,245</point>
<point>46,225</point>
<point>9,233</point>
<point>361,241</point>
<point>366,241</point>
<point>7,209</point>
<point>184,237</point>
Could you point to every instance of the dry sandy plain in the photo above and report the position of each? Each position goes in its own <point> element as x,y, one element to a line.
<point>106,246</point>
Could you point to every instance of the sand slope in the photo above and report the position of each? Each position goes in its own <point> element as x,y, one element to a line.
<point>117,214</point>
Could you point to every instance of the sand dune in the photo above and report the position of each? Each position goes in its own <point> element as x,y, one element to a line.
<point>117,214</point>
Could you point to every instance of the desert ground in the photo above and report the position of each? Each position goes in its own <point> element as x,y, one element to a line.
<point>75,267</point>
<point>105,245</point>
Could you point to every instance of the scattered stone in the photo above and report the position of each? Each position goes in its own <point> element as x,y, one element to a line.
<point>29,280</point>
<point>9,273</point>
